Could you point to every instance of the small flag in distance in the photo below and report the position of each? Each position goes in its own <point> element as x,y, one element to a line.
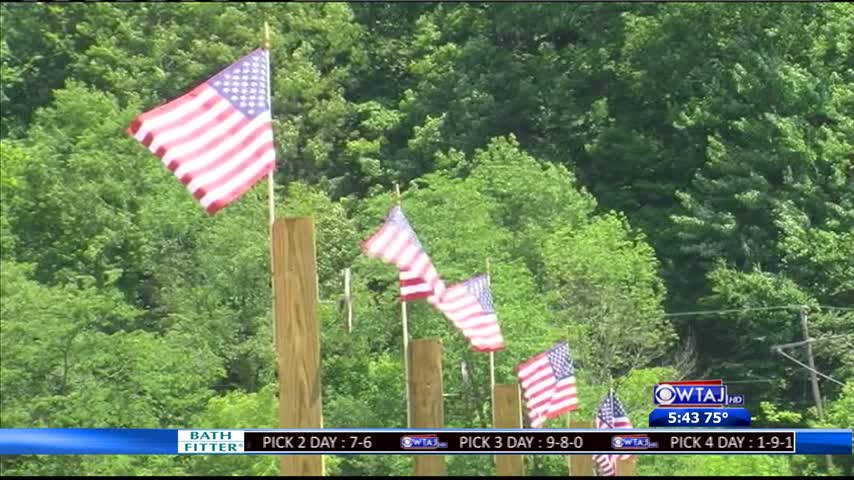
<point>610,414</point>
<point>217,138</point>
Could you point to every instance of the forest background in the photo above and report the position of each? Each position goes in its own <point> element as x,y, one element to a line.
<point>615,162</point>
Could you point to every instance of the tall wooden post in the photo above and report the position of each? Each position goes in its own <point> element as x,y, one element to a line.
<point>580,465</point>
<point>428,411</point>
<point>508,414</point>
<point>298,332</point>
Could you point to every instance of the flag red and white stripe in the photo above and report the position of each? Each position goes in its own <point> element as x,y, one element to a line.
<point>611,414</point>
<point>468,305</point>
<point>413,287</point>
<point>548,384</point>
<point>218,138</point>
<point>396,243</point>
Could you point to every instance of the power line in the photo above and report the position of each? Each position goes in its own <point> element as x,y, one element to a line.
<point>844,309</point>
<point>750,309</point>
<point>730,310</point>
<point>811,340</point>
<point>781,352</point>
<point>753,380</point>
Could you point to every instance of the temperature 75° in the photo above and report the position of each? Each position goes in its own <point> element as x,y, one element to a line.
<point>716,417</point>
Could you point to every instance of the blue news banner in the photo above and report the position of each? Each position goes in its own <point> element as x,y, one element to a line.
<point>81,441</point>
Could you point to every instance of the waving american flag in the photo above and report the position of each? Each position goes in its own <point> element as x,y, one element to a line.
<point>217,138</point>
<point>611,414</point>
<point>395,243</point>
<point>548,383</point>
<point>468,305</point>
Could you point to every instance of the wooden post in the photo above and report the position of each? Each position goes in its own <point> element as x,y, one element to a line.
<point>580,465</point>
<point>298,339</point>
<point>425,388</point>
<point>508,408</point>
<point>626,468</point>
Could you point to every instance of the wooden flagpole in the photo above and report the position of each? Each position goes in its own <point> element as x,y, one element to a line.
<point>270,179</point>
<point>569,458</point>
<point>617,461</point>
<point>405,322</point>
<point>572,472</point>
<point>491,368</point>
<point>349,299</point>
<point>611,400</point>
<point>271,191</point>
<point>491,357</point>
<point>492,383</point>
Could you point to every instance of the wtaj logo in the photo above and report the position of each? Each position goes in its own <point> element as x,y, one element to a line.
<point>421,442</point>
<point>632,442</point>
<point>694,393</point>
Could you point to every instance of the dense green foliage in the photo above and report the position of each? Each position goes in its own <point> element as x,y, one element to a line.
<point>613,162</point>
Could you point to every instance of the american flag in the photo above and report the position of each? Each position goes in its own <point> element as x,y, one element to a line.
<point>611,414</point>
<point>395,243</point>
<point>468,305</point>
<point>548,383</point>
<point>217,138</point>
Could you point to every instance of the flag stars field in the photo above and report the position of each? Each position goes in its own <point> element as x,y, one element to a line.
<point>216,142</point>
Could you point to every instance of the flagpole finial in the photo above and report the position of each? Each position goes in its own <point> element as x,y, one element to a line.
<point>266,36</point>
<point>487,266</point>
<point>396,194</point>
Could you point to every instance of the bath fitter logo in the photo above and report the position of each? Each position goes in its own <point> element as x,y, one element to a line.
<point>210,441</point>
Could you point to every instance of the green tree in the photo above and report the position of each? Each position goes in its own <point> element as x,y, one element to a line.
<point>63,367</point>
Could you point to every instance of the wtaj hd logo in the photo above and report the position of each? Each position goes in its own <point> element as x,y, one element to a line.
<point>421,442</point>
<point>632,442</point>
<point>695,393</point>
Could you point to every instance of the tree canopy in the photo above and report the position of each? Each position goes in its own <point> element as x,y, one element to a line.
<point>616,163</point>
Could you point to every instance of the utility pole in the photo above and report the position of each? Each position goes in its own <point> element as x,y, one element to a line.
<point>813,377</point>
<point>811,362</point>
